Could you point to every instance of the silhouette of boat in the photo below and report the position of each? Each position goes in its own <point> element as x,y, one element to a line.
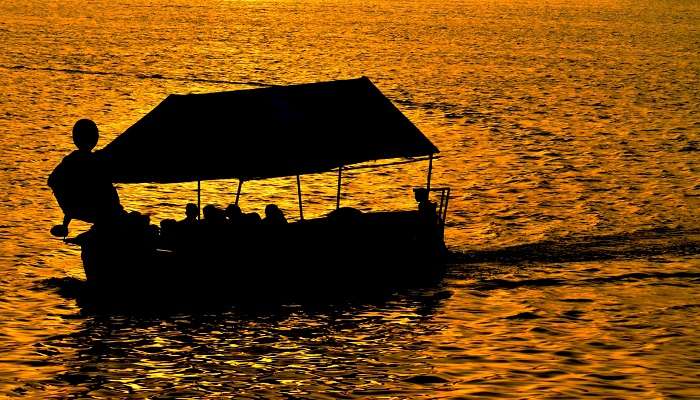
<point>265,133</point>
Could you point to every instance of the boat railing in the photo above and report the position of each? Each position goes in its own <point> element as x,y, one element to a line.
<point>442,205</point>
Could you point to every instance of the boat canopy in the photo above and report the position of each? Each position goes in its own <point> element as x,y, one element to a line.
<point>264,133</point>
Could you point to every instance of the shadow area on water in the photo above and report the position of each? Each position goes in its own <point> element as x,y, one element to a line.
<point>225,346</point>
<point>638,244</point>
<point>428,292</point>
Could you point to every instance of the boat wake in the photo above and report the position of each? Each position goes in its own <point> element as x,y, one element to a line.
<point>493,284</point>
<point>639,244</point>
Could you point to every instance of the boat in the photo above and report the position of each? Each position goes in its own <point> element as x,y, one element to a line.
<point>262,133</point>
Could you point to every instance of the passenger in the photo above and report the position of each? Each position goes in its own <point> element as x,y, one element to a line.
<point>426,208</point>
<point>137,219</point>
<point>152,232</point>
<point>345,215</point>
<point>168,233</point>
<point>213,215</point>
<point>428,235</point>
<point>139,222</point>
<point>191,214</point>
<point>81,183</point>
<point>185,229</point>
<point>274,216</point>
<point>137,230</point>
<point>251,219</point>
<point>234,214</point>
<point>167,225</point>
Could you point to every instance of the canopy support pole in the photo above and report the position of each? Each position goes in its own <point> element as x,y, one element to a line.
<point>199,198</point>
<point>238,191</point>
<point>430,173</point>
<point>337,196</point>
<point>301,209</point>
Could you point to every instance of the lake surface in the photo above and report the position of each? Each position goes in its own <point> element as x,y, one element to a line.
<point>569,134</point>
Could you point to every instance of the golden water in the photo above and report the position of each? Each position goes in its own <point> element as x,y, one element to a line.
<point>570,126</point>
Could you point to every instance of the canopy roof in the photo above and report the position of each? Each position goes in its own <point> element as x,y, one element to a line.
<point>264,133</point>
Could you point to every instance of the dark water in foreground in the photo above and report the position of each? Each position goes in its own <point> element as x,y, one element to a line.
<point>569,134</point>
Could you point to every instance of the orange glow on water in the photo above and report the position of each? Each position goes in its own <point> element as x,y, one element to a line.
<point>558,122</point>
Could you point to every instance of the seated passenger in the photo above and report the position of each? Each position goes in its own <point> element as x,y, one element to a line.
<point>191,214</point>
<point>167,225</point>
<point>233,214</point>
<point>213,215</point>
<point>184,230</point>
<point>168,232</point>
<point>345,215</point>
<point>251,219</point>
<point>137,229</point>
<point>274,216</point>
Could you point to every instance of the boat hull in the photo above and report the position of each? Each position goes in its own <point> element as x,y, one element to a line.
<point>313,259</point>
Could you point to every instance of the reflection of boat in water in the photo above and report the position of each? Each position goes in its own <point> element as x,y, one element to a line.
<point>259,134</point>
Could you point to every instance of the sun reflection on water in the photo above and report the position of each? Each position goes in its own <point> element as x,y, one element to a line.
<point>568,126</point>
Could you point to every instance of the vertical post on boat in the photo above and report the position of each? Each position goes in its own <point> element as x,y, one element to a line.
<point>199,198</point>
<point>238,191</point>
<point>301,209</point>
<point>337,196</point>
<point>430,173</point>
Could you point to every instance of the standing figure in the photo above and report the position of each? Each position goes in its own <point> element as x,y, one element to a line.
<point>81,184</point>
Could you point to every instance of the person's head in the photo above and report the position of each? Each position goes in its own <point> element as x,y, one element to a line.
<point>210,212</point>
<point>85,134</point>
<point>233,211</point>
<point>272,210</point>
<point>421,194</point>
<point>191,211</point>
<point>137,219</point>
